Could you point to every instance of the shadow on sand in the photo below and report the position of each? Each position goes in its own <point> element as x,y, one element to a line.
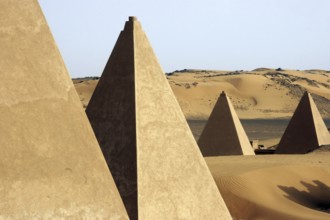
<point>316,197</point>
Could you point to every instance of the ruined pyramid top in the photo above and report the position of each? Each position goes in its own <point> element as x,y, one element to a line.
<point>132,18</point>
<point>306,130</point>
<point>51,165</point>
<point>223,133</point>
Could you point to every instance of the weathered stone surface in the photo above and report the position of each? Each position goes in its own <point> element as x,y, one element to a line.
<point>146,140</point>
<point>306,130</point>
<point>223,133</point>
<point>111,112</point>
<point>50,165</point>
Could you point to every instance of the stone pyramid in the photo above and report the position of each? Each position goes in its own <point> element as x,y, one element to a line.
<point>155,161</point>
<point>306,130</point>
<point>223,133</point>
<point>51,166</point>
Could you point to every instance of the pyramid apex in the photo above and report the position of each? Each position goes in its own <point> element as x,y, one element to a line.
<point>307,95</point>
<point>132,18</point>
<point>223,93</point>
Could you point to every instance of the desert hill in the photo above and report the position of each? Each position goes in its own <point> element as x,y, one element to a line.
<point>260,93</point>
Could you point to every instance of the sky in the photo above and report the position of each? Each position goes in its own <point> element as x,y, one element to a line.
<point>191,34</point>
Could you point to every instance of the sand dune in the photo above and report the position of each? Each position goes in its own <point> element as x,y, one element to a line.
<point>262,93</point>
<point>255,94</point>
<point>274,187</point>
<point>85,89</point>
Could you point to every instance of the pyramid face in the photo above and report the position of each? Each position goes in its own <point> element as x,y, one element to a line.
<point>306,130</point>
<point>145,138</point>
<point>223,133</point>
<point>51,166</point>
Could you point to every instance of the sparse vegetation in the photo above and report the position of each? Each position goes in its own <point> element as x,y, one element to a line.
<point>195,84</point>
<point>81,79</point>
<point>187,86</point>
<point>261,69</point>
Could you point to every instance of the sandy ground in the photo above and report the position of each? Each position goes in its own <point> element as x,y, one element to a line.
<point>85,89</point>
<point>274,186</point>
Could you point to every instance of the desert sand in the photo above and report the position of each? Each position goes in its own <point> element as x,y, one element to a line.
<point>273,186</point>
<point>262,186</point>
<point>261,93</point>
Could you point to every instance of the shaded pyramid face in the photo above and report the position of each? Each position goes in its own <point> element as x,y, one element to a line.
<point>306,130</point>
<point>51,166</point>
<point>223,133</point>
<point>145,139</point>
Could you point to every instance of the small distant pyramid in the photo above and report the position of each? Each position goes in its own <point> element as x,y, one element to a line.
<point>223,133</point>
<point>51,166</point>
<point>150,150</point>
<point>306,130</point>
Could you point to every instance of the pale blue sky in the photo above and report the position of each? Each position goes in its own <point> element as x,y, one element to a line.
<point>208,34</point>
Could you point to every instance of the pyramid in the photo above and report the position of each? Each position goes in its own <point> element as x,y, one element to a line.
<point>223,133</point>
<point>155,161</point>
<point>306,130</point>
<point>51,166</point>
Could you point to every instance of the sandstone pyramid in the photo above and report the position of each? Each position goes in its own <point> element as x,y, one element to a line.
<point>145,138</point>
<point>223,133</point>
<point>51,166</point>
<point>306,130</point>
